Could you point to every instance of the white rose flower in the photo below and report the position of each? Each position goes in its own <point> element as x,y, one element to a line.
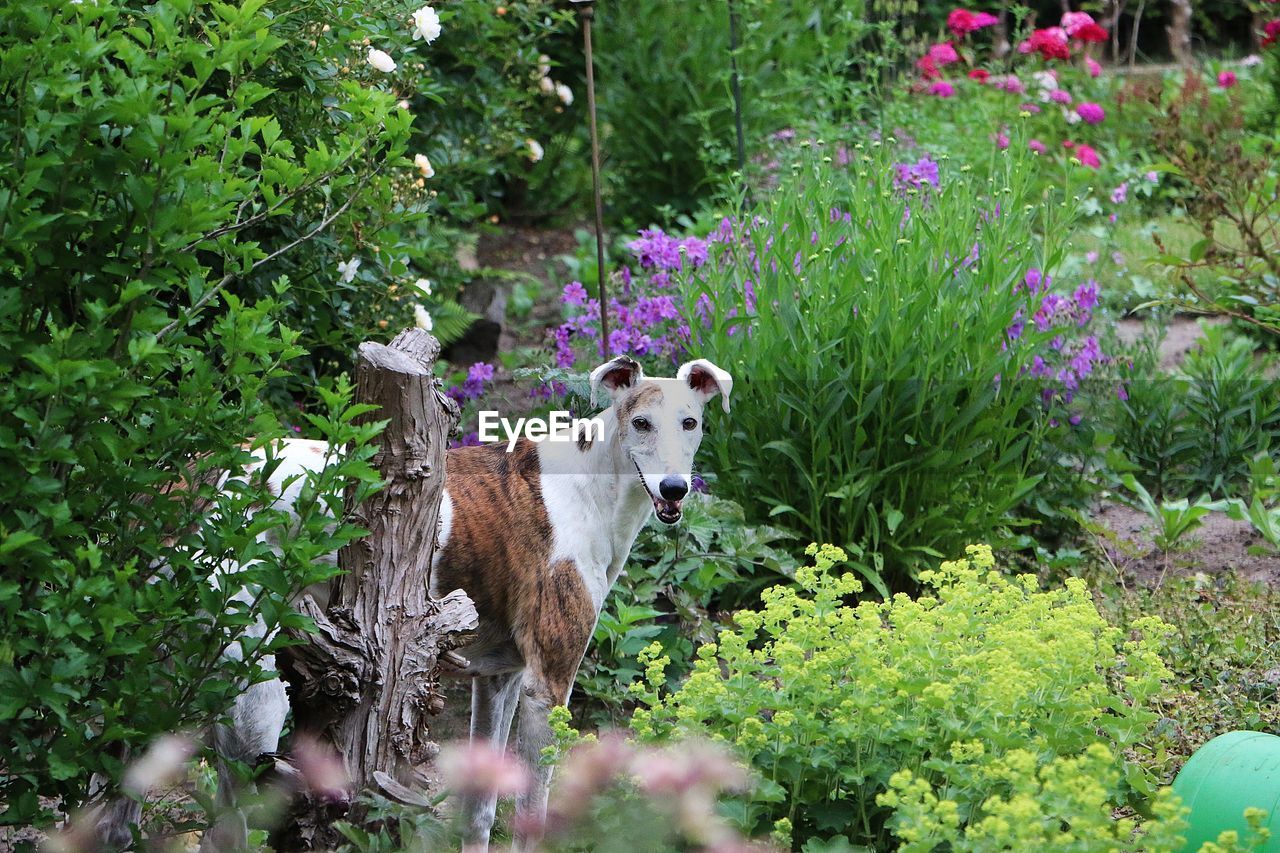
<point>547,85</point>
<point>381,60</point>
<point>422,319</point>
<point>424,285</point>
<point>347,271</point>
<point>424,165</point>
<point>564,93</point>
<point>426,24</point>
<point>535,149</point>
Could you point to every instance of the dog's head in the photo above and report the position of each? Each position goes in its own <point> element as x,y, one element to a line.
<point>660,423</point>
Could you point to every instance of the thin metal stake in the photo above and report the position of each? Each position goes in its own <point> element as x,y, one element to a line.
<point>736,85</point>
<point>586,9</point>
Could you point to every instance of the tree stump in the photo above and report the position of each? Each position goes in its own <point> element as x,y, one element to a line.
<point>367,680</point>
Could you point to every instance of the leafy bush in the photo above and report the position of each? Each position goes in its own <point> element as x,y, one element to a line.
<point>1199,430</point>
<point>678,580</point>
<point>146,168</point>
<point>970,715</point>
<point>891,363</point>
<point>672,142</point>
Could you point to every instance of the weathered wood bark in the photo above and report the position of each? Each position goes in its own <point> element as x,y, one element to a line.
<point>367,680</point>
<point>1179,31</point>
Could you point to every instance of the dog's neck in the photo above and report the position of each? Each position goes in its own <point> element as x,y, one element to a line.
<point>602,483</point>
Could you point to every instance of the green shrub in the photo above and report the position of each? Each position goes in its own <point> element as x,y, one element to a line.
<point>146,171</point>
<point>1199,429</point>
<point>881,400</point>
<point>678,580</point>
<point>672,143</point>
<point>931,719</point>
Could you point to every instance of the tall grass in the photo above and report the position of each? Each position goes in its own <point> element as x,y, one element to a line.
<point>879,401</point>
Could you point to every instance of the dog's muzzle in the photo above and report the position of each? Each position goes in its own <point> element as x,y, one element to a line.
<point>668,511</point>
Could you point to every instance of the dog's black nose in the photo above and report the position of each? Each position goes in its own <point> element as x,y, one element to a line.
<point>673,488</point>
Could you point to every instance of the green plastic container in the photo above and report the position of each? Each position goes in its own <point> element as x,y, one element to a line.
<point>1226,776</point>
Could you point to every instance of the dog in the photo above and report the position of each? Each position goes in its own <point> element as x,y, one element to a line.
<point>537,537</point>
<point>536,534</point>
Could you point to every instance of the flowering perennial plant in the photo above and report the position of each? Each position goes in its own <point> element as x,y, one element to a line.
<point>852,715</point>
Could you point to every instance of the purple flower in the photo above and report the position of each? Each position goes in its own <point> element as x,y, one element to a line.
<point>942,89</point>
<point>1086,299</point>
<point>1120,194</point>
<point>923,172</point>
<point>1060,96</point>
<point>478,374</point>
<point>574,293</point>
<point>470,439</point>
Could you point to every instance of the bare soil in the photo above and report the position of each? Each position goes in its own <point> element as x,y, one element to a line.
<point>1182,334</point>
<point>1218,546</point>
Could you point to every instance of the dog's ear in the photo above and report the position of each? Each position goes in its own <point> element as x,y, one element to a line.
<point>614,375</point>
<point>706,380</point>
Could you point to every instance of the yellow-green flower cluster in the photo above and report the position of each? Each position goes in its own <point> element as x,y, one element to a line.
<point>972,712</point>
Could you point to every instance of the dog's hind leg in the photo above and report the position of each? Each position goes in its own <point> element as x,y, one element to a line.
<point>256,721</point>
<point>493,705</point>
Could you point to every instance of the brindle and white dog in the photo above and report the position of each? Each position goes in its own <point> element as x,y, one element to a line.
<point>535,537</point>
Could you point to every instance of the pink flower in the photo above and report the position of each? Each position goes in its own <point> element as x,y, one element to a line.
<point>961,22</point>
<point>980,74</point>
<point>1073,21</point>
<point>1012,84</point>
<point>943,53</point>
<point>475,770</point>
<point>1092,65</point>
<point>1050,43</point>
<point>928,68</point>
<point>1001,140</point>
<point>1091,112</point>
<point>1088,156</point>
<point>1037,146</point>
<point>942,89</point>
<point>1060,96</point>
<point>1227,79</point>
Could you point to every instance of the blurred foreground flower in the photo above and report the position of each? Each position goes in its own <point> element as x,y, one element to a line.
<point>479,769</point>
<point>424,165</point>
<point>163,762</point>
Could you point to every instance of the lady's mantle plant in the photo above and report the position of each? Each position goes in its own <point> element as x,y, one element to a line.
<point>987,709</point>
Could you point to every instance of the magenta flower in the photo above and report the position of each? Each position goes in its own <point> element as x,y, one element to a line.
<point>1227,79</point>
<point>1060,96</point>
<point>1092,65</point>
<point>1037,146</point>
<point>944,53</point>
<point>1088,156</point>
<point>1091,113</point>
<point>961,22</point>
<point>942,89</point>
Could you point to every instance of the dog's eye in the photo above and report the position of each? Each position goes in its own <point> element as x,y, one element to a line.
<point>640,424</point>
<point>690,423</point>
